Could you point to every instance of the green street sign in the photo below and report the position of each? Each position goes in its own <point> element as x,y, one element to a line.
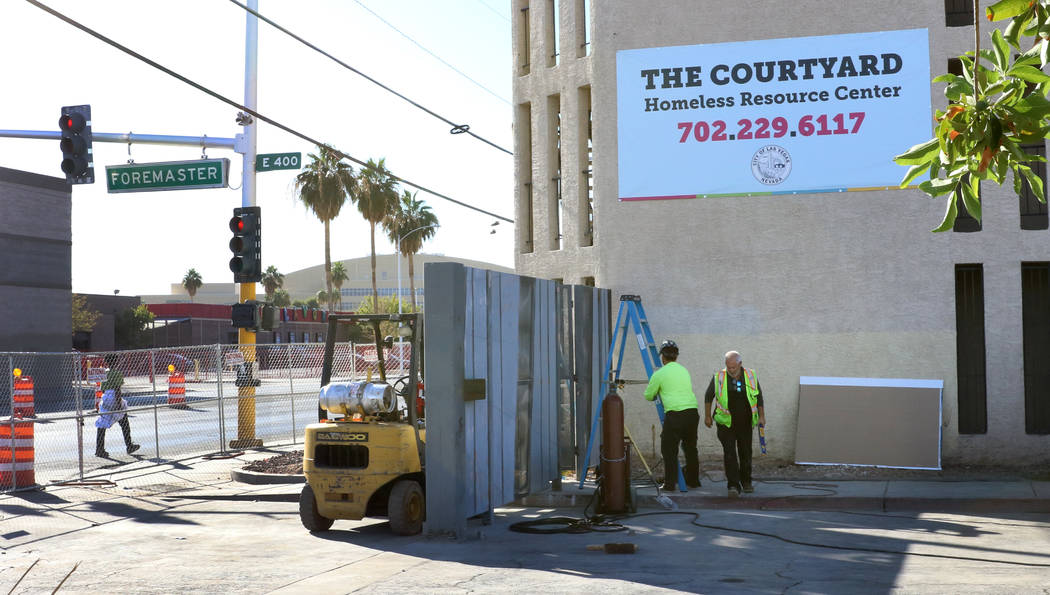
<point>168,175</point>
<point>272,161</point>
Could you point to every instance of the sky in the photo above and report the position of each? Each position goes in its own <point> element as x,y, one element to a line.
<point>141,243</point>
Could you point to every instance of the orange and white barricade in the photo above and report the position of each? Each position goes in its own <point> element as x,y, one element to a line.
<point>98,395</point>
<point>23,397</point>
<point>16,454</point>
<point>177,389</point>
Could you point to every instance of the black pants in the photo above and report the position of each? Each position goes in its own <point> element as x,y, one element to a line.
<point>100,435</point>
<point>680,428</point>
<point>736,452</point>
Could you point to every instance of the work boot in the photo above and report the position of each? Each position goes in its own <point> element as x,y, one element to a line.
<point>733,492</point>
<point>101,453</point>
<point>133,447</point>
<point>748,488</point>
<point>667,487</point>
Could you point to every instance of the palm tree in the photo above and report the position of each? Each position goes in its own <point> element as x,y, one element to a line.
<point>192,282</point>
<point>324,186</point>
<point>281,298</point>
<point>338,277</point>
<point>272,280</point>
<point>411,214</point>
<point>376,200</point>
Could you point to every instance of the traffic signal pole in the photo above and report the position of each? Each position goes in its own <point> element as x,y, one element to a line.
<point>246,338</point>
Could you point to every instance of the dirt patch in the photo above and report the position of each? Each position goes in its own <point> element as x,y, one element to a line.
<point>288,463</point>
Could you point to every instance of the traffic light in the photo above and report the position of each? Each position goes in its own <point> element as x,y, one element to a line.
<point>77,162</point>
<point>245,315</point>
<point>246,245</point>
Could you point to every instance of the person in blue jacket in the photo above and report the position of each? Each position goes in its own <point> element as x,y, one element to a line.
<point>112,410</point>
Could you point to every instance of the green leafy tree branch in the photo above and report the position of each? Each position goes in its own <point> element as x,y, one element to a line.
<point>997,106</point>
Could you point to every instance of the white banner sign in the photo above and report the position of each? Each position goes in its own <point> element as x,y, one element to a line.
<point>779,116</point>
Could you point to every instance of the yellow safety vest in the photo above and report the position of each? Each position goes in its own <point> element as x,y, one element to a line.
<point>722,415</point>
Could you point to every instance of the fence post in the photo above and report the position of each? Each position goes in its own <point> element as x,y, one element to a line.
<point>156,422</point>
<point>291,384</point>
<point>80,414</point>
<point>218,389</point>
<point>11,394</point>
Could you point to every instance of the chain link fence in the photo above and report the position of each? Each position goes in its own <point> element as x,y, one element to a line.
<point>181,402</point>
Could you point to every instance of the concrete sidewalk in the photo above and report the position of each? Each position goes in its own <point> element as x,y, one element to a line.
<point>1018,495</point>
<point>186,525</point>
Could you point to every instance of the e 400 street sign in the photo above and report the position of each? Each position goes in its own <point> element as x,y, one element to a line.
<point>272,161</point>
<point>168,175</point>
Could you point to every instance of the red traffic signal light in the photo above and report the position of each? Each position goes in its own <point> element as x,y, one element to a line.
<point>246,245</point>
<point>75,125</point>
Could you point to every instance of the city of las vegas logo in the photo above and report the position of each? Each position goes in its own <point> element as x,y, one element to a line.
<point>771,165</point>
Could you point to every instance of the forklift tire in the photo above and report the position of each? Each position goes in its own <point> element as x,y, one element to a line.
<point>308,514</point>
<point>406,508</point>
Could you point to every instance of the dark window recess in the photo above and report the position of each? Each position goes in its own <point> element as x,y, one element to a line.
<point>1035,313</point>
<point>955,66</point>
<point>341,456</point>
<point>1033,212</point>
<point>958,13</point>
<point>964,221</point>
<point>969,348</point>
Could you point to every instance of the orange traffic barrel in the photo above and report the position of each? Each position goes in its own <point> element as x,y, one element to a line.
<point>177,389</point>
<point>23,405</point>
<point>16,455</point>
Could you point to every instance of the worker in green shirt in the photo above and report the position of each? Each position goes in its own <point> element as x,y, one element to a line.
<point>674,386</point>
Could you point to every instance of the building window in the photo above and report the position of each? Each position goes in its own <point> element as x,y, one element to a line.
<point>291,337</point>
<point>583,28</point>
<point>958,13</point>
<point>320,338</point>
<point>969,348</point>
<point>524,154</point>
<point>552,30</point>
<point>524,45</point>
<point>585,200</point>
<point>1035,314</point>
<point>588,281</point>
<point>964,221</point>
<point>554,207</point>
<point>277,337</point>
<point>1033,210</point>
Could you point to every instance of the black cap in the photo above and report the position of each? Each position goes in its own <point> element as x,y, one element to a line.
<point>669,346</point>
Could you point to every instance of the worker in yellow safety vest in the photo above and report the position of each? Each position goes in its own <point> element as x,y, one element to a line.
<point>737,397</point>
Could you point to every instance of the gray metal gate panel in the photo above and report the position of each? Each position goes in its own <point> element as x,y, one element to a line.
<point>511,332</point>
<point>446,445</point>
<point>502,383</point>
<point>566,379</point>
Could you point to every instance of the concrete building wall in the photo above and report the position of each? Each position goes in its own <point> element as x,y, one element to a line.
<point>836,284</point>
<point>36,248</point>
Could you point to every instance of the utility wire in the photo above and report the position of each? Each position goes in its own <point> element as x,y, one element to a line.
<point>456,128</point>
<point>245,109</point>
<point>494,11</point>
<point>436,57</point>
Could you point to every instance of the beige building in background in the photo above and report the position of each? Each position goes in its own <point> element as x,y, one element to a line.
<point>848,284</point>
<point>305,283</point>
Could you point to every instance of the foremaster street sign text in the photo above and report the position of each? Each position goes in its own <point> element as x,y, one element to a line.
<point>168,175</point>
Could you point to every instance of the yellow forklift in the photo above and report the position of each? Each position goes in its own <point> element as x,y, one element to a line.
<point>365,457</point>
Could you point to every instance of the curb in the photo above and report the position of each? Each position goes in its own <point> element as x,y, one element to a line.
<point>256,478</point>
<point>803,502</point>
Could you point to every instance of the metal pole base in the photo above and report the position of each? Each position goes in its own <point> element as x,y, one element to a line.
<point>246,443</point>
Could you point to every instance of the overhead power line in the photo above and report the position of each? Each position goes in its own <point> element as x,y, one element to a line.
<point>494,11</point>
<point>436,57</point>
<point>245,109</point>
<point>456,128</point>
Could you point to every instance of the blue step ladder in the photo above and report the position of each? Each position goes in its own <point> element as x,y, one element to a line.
<point>631,312</point>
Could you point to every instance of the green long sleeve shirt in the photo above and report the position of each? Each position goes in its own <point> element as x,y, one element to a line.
<point>675,387</point>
